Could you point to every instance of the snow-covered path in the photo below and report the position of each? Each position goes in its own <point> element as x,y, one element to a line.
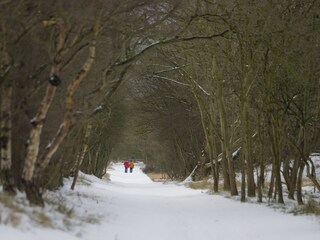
<point>132,207</point>
<point>141,209</point>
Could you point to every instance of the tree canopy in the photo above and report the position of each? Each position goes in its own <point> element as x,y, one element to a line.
<point>229,86</point>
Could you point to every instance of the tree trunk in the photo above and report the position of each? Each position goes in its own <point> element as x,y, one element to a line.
<point>32,190</point>
<point>261,160</point>
<point>250,168</point>
<point>286,175</point>
<point>84,151</point>
<point>271,185</point>
<point>278,181</point>
<point>296,165</point>
<point>247,138</point>
<point>207,131</point>
<point>33,168</point>
<point>5,141</point>
<point>260,186</point>
<point>69,105</point>
<point>275,146</point>
<point>95,161</point>
<point>212,127</point>
<point>243,179</point>
<point>37,122</point>
<point>224,129</point>
<point>35,134</point>
<point>299,183</point>
<point>225,173</point>
<point>311,174</point>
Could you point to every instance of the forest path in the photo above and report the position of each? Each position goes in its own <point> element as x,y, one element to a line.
<point>138,209</point>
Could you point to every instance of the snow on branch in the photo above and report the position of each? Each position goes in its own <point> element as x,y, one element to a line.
<point>169,70</point>
<point>98,109</point>
<point>201,88</point>
<point>171,80</point>
<point>189,178</point>
<point>236,153</point>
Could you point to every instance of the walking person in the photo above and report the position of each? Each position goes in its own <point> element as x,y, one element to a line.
<point>131,166</point>
<point>126,165</point>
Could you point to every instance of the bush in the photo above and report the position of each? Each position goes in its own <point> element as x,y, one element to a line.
<point>150,168</point>
<point>312,207</point>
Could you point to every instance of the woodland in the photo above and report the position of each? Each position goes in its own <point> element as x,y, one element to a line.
<point>226,87</point>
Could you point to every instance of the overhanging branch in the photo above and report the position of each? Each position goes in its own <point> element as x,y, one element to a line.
<point>169,41</point>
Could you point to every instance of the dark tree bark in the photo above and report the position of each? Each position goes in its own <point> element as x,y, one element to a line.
<point>84,151</point>
<point>5,141</point>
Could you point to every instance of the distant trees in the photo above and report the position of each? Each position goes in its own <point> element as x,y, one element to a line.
<point>169,113</point>
<point>257,97</point>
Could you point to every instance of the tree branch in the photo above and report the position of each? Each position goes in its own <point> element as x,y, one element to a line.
<point>166,42</point>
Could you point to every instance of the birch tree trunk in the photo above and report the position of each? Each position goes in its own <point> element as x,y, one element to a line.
<point>69,107</point>
<point>33,170</point>
<point>37,122</point>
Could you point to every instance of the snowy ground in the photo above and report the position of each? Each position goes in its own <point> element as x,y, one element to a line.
<point>132,207</point>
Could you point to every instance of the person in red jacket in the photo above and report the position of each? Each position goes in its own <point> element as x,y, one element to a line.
<point>126,165</point>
